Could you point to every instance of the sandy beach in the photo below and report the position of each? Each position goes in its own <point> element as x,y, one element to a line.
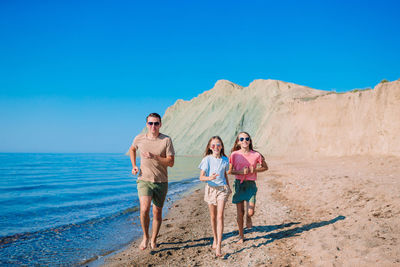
<point>340,211</point>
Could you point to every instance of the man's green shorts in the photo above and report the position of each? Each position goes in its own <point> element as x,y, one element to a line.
<point>158,191</point>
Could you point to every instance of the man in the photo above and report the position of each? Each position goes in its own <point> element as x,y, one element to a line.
<point>156,154</point>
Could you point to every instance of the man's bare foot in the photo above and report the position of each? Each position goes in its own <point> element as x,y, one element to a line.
<point>249,222</point>
<point>153,245</point>
<point>144,243</point>
<point>240,240</point>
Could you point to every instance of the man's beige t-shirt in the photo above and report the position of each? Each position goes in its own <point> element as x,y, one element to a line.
<point>150,169</point>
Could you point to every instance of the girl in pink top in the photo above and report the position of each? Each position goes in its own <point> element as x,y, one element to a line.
<point>244,163</point>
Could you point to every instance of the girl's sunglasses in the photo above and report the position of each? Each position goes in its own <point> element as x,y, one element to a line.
<point>155,123</point>
<point>215,145</point>
<point>242,138</point>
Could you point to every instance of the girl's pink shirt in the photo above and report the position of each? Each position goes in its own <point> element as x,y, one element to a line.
<point>240,160</point>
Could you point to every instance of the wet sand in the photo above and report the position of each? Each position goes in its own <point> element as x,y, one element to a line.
<point>322,212</point>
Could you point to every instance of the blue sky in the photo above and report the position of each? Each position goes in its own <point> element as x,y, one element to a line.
<point>80,76</point>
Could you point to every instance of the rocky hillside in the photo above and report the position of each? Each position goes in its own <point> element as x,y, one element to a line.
<point>288,119</point>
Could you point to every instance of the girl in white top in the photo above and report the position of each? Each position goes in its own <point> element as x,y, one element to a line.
<point>213,168</point>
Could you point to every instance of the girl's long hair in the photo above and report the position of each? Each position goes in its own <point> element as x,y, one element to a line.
<point>236,145</point>
<point>208,151</point>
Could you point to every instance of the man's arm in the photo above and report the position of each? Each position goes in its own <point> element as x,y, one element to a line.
<point>167,161</point>
<point>132,155</point>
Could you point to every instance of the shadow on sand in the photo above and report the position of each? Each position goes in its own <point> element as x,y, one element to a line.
<point>271,237</point>
<point>285,234</point>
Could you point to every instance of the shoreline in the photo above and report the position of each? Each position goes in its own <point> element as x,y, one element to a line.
<point>101,260</point>
<point>330,211</point>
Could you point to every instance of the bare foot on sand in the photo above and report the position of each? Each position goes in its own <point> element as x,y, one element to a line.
<point>144,243</point>
<point>240,240</point>
<point>249,222</point>
<point>218,252</point>
<point>153,245</point>
<point>214,245</point>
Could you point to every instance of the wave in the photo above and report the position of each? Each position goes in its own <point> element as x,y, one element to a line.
<point>8,240</point>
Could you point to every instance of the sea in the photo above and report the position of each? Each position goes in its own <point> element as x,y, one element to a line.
<point>70,209</point>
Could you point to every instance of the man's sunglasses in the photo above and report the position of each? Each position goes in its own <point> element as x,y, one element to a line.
<point>242,138</point>
<point>155,123</point>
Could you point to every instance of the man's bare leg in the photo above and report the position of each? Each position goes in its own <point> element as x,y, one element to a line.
<point>157,220</point>
<point>145,202</point>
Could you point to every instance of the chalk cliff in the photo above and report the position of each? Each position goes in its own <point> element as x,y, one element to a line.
<point>289,119</point>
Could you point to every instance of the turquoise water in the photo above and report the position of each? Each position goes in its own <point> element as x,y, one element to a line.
<point>63,209</point>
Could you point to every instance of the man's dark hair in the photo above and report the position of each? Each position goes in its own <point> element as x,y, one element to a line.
<point>154,115</point>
